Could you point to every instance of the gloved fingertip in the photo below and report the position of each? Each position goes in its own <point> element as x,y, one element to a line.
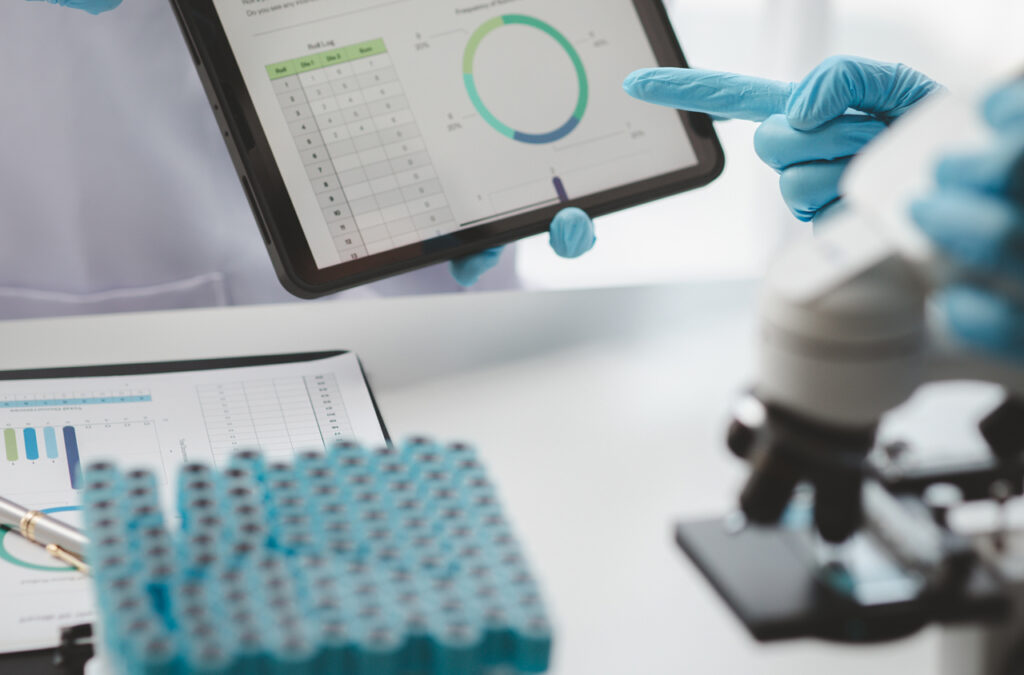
<point>1004,109</point>
<point>635,81</point>
<point>805,111</point>
<point>931,214</point>
<point>462,275</point>
<point>803,119</point>
<point>467,270</point>
<point>808,188</point>
<point>572,233</point>
<point>801,215</point>
<point>827,211</point>
<point>95,7</point>
<point>921,210</point>
<point>984,320</point>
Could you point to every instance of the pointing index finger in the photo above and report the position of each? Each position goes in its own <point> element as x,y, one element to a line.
<point>712,92</point>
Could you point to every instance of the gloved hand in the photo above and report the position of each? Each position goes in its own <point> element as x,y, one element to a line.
<point>91,6</point>
<point>807,135</point>
<point>976,216</point>
<point>571,235</point>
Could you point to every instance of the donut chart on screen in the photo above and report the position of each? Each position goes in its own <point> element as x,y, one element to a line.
<point>474,94</point>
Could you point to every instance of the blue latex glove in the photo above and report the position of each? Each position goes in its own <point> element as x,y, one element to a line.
<point>571,235</point>
<point>808,134</point>
<point>91,6</point>
<point>976,215</point>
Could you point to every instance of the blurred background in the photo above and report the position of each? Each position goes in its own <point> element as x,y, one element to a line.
<point>732,228</point>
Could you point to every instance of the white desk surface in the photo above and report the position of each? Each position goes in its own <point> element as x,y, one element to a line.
<point>600,413</point>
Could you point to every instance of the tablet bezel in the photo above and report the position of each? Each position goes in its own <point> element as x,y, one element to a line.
<point>279,223</point>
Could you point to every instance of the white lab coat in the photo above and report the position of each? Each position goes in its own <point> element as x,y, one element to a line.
<point>116,190</point>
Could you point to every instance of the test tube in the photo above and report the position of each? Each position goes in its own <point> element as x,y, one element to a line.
<point>379,650</point>
<point>499,642</point>
<point>532,643</point>
<point>458,647</point>
<point>209,653</point>
<point>337,647</point>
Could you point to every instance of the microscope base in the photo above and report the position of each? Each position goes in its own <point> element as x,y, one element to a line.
<point>767,576</point>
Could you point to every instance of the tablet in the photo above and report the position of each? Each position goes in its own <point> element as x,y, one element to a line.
<point>373,137</point>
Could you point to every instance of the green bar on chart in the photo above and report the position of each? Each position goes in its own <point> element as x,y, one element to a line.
<point>11,443</point>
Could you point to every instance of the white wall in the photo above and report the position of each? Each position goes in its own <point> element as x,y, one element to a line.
<point>731,228</point>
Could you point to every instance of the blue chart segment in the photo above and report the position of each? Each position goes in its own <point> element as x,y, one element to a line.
<point>474,94</point>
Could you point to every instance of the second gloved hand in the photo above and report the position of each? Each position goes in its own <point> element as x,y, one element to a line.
<point>91,6</point>
<point>976,216</point>
<point>808,136</point>
<point>571,235</point>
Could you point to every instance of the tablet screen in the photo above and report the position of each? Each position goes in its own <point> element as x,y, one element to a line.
<point>397,121</point>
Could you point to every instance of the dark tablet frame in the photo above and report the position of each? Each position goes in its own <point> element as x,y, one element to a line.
<point>279,224</point>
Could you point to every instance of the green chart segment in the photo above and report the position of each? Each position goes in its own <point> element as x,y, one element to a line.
<point>474,94</point>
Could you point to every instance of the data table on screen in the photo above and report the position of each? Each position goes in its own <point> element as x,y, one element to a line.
<point>362,149</point>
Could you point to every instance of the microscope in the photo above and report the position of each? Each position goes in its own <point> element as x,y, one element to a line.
<point>835,537</point>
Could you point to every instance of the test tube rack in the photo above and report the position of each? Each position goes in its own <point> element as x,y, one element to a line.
<point>395,561</point>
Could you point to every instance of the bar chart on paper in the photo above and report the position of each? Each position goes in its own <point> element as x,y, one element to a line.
<point>48,457</point>
<point>47,436</point>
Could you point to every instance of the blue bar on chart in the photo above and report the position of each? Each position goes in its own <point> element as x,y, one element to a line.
<point>50,438</point>
<point>74,463</point>
<point>31,445</point>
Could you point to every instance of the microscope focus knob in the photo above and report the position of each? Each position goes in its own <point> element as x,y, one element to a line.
<point>749,418</point>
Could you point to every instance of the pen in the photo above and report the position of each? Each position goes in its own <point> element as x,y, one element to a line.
<point>60,540</point>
